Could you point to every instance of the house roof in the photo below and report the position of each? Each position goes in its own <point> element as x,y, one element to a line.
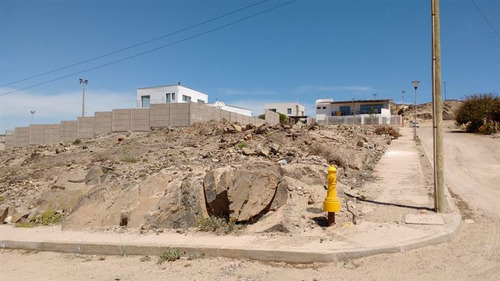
<point>356,101</point>
<point>162,86</point>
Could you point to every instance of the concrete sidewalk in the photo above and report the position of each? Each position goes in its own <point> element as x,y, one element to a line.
<point>399,193</point>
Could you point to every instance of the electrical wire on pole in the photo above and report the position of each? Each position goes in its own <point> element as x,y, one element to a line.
<point>136,45</point>
<point>154,49</point>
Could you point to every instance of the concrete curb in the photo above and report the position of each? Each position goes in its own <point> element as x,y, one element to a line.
<point>262,254</point>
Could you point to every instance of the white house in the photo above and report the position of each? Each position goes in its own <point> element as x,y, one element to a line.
<point>328,109</point>
<point>287,108</point>
<point>231,108</point>
<point>169,94</point>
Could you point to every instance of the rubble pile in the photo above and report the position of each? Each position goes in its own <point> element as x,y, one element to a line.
<point>265,178</point>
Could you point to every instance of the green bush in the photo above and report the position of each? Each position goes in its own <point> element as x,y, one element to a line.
<point>77,142</point>
<point>216,224</point>
<point>478,110</point>
<point>169,255</point>
<point>282,118</point>
<point>128,159</point>
<point>241,144</point>
<point>49,217</point>
<point>262,116</point>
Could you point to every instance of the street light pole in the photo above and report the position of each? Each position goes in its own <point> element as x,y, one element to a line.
<point>439,197</point>
<point>32,113</point>
<point>415,85</point>
<point>84,83</point>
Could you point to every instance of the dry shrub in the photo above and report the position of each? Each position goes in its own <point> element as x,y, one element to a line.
<point>387,130</point>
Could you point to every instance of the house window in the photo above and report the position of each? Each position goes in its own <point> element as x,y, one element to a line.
<point>319,107</point>
<point>324,107</point>
<point>186,98</point>
<point>173,96</point>
<point>272,109</point>
<point>288,111</point>
<point>145,101</point>
<point>201,101</point>
<point>345,110</point>
<point>169,97</point>
<point>371,108</point>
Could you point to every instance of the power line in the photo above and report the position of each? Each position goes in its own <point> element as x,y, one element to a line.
<point>138,44</point>
<point>486,19</point>
<point>154,49</point>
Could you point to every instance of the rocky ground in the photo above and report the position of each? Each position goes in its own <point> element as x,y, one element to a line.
<point>424,111</point>
<point>215,176</point>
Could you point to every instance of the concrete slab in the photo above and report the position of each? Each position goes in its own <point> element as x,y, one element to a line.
<point>424,219</point>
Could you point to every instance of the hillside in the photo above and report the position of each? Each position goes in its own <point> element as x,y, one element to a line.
<point>261,178</point>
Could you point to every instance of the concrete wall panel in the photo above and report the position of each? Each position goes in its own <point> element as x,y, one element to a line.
<point>68,131</point>
<point>179,115</point>
<point>22,136</point>
<point>103,122</point>
<point>10,139</point>
<point>121,121</point>
<point>36,134</point>
<point>159,115</point>
<point>52,134</point>
<point>140,120</point>
<point>85,127</point>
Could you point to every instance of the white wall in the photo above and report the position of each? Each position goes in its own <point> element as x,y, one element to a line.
<point>158,94</point>
<point>230,108</point>
<point>296,108</point>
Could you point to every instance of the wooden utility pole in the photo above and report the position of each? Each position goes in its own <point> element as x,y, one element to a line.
<point>437,120</point>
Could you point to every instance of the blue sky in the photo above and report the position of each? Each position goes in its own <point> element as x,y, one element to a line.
<point>306,50</point>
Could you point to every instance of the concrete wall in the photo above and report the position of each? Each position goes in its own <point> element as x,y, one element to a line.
<point>272,118</point>
<point>10,139</point>
<point>179,114</point>
<point>159,115</point>
<point>36,134</point>
<point>103,122</point>
<point>52,134</point>
<point>140,120</point>
<point>68,131</point>
<point>122,120</point>
<point>22,136</point>
<point>85,127</point>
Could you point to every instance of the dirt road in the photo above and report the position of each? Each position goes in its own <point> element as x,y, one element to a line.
<point>473,255</point>
<point>472,166</point>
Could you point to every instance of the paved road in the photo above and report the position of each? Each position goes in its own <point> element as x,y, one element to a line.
<point>472,167</point>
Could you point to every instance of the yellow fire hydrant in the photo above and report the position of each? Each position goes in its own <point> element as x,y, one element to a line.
<point>331,203</point>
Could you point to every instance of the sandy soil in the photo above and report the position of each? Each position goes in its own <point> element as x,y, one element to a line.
<point>473,255</point>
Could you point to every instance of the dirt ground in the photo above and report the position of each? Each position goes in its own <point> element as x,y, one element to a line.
<point>473,255</point>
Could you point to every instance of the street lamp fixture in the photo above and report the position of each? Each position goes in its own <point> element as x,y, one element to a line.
<point>84,83</point>
<point>415,85</point>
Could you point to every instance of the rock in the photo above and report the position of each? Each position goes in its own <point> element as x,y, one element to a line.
<point>281,196</point>
<point>180,207</point>
<point>275,148</point>
<point>4,213</point>
<point>124,218</point>
<point>249,151</point>
<point>311,200</point>
<point>215,185</point>
<point>262,129</point>
<point>252,190</point>
<point>264,152</point>
<point>20,213</point>
<point>281,221</point>
<point>237,128</point>
<point>282,162</point>
<point>312,175</point>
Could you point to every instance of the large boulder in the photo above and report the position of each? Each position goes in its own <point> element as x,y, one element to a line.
<point>252,190</point>
<point>245,193</point>
<point>180,207</point>
<point>216,184</point>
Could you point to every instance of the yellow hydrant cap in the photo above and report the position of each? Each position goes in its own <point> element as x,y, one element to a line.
<point>332,169</point>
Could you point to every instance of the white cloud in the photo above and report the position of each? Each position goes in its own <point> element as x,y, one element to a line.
<point>228,92</point>
<point>312,89</point>
<point>15,107</point>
